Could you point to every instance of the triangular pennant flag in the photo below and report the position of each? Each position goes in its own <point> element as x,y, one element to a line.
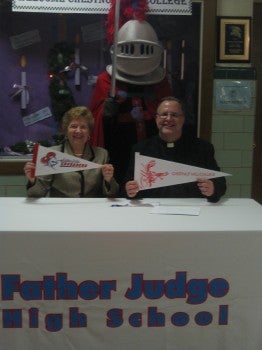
<point>153,172</point>
<point>49,161</point>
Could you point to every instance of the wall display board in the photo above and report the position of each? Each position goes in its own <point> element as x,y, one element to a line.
<point>32,43</point>
<point>233,95</point>
<point>234,39</point>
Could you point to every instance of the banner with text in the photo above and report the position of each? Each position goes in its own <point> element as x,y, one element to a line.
<point>116,291</point>
<point>156,7</point>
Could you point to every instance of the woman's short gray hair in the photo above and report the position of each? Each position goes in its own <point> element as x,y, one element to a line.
<point>75,113</point>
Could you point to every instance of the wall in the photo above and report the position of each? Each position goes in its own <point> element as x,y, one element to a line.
<point>232,131</point>
<point>12,186</point>
<point>232,134</point>
<point>234,7</point>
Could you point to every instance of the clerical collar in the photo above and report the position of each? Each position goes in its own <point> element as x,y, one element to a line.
<point>170,144</point>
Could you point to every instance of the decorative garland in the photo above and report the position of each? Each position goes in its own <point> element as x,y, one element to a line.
<point>59,58</point>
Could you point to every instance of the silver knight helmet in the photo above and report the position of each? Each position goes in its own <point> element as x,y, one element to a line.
<point>139,54</point>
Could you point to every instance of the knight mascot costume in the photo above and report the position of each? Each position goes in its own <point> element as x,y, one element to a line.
<point>126,115</point>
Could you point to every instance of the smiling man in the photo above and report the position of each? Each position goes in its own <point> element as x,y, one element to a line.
<point>170,119</point>
<point>174,144</point>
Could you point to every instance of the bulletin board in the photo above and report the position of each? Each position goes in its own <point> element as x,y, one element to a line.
<point>26,40</point>
<point>233,95</point>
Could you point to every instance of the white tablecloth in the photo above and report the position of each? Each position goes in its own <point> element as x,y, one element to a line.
<point>109,274</point>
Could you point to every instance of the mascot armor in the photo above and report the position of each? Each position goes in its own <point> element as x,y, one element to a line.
<point>128,116</point>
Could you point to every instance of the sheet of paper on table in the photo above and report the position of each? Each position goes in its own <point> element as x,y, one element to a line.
<point>175,210</point>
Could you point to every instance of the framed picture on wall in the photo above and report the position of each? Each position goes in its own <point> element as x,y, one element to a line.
<point>233,39</point>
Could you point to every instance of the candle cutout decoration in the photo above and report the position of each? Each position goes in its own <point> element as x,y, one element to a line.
<point>168,61</point>
<point>77,61</point>
<point>182,69</point>
<point>24,92</point>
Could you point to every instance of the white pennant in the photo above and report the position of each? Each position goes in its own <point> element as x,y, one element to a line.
<point>153,172</point>
<point>49,161</point>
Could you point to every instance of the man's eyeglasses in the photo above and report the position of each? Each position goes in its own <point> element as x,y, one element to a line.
<point>171,115</point>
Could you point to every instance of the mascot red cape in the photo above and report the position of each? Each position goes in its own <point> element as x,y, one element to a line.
<point>128,116</point>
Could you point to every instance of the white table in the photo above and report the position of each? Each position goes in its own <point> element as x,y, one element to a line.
<point>85,244</point>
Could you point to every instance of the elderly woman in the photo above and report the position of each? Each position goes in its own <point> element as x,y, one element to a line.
<point>77,124</point>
